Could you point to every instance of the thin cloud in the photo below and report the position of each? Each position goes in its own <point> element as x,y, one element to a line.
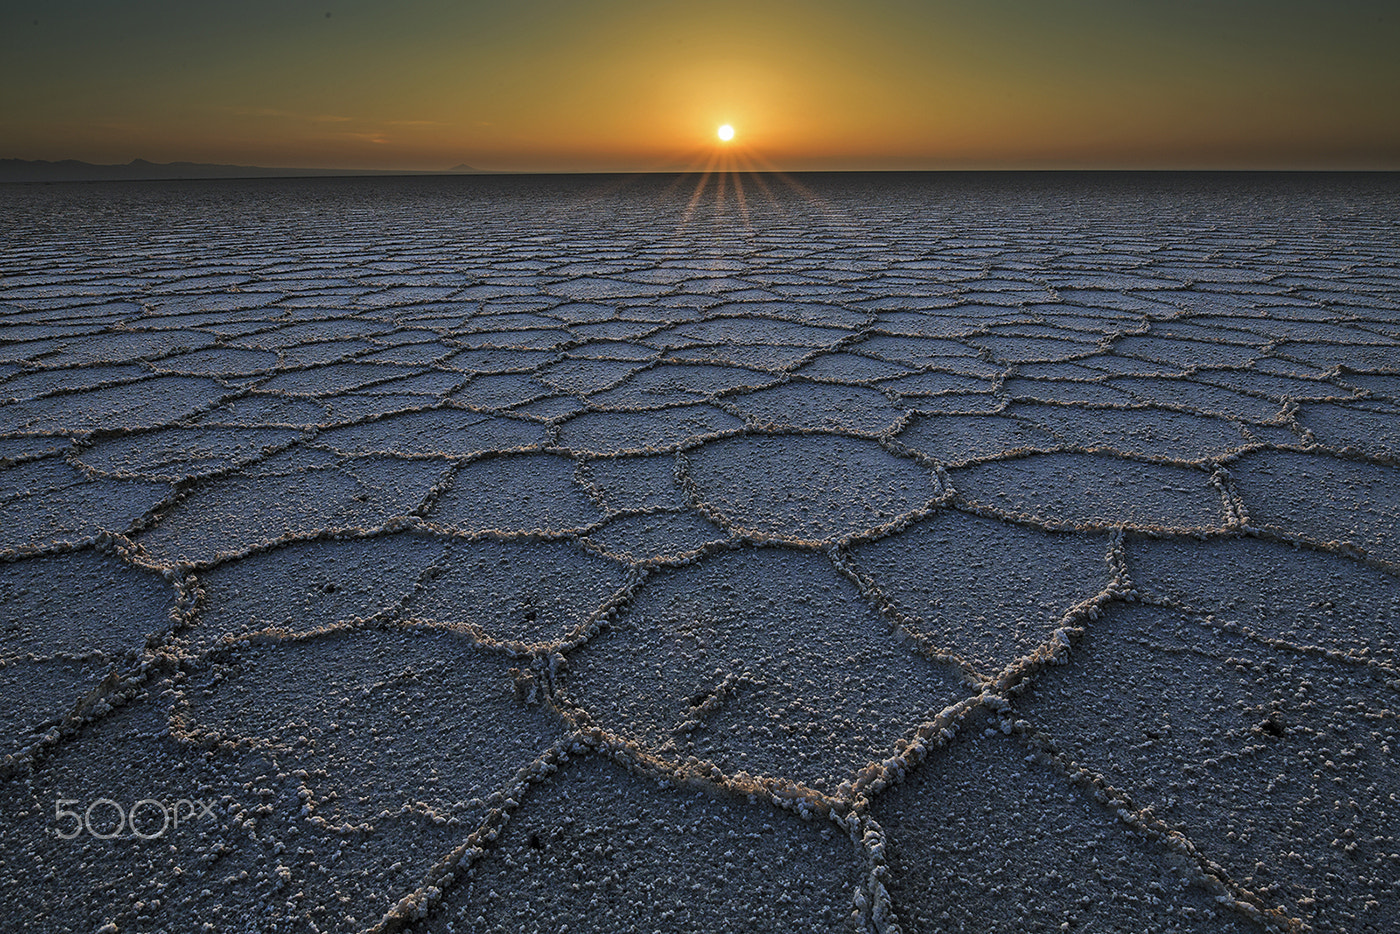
<point>287,115</point>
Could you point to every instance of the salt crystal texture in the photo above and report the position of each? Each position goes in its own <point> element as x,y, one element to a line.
<point>888,553</point>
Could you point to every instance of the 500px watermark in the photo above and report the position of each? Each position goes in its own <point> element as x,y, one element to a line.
<point>106,819</point>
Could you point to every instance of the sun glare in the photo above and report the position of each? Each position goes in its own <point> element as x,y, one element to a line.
<point>726,132</point>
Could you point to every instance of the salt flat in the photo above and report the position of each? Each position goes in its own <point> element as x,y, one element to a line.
<point>869,553</point>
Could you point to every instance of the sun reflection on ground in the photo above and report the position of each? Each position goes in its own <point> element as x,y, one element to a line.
<point>745,170</point>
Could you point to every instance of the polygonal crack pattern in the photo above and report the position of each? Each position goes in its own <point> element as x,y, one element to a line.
<point>600,849</point>
<point>871,554</point>
<point>774,665</point>
<point>1287,756</point>
<point>989,839</point>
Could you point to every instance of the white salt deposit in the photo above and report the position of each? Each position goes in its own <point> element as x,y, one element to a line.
<point>493,554</point>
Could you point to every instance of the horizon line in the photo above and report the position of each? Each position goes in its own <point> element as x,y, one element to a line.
<point>302,172</point>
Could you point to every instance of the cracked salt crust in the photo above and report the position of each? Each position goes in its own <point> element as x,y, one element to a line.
<point>946,554</point>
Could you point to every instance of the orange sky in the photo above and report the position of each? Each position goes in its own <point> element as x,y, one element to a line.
<point>584,85</point>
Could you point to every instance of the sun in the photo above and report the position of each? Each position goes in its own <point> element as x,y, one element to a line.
<point>726,132</point>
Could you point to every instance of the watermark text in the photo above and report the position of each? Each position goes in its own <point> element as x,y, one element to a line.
<point>108,819</point>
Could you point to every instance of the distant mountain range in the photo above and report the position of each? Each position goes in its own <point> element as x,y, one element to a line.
<point>71,170</point>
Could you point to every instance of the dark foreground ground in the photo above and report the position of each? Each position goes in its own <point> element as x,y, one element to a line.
<point>935,553</point>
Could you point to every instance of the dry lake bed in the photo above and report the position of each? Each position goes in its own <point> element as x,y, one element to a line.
<point>941,553</point>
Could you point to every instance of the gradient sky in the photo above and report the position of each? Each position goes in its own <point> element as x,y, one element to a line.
<point>551,85</point>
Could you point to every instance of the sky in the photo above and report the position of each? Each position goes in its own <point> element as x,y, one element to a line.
<point>643,85</point>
